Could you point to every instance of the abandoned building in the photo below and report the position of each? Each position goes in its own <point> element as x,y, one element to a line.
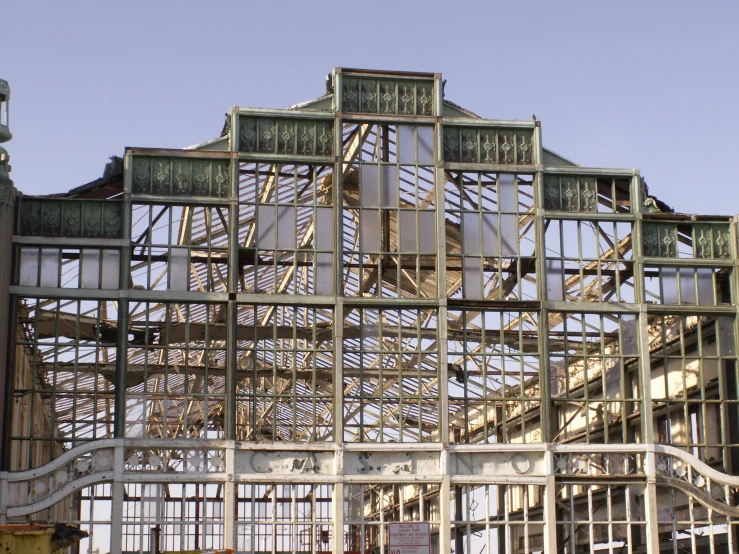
<point>369,308</point>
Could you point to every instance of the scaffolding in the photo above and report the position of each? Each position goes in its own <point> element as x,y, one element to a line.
<point>369,308</point>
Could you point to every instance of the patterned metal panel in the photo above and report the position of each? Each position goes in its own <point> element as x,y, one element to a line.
<point>488,145</point>
<point>570,193</point>
<point>301,137</point>
<point>387,96</point>
<point>709,240</point>
<point>71,218</point>
<point>177,176</point>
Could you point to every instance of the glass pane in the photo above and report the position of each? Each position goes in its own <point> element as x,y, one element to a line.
<point>389,186</point>
<point>135,416</point>
<point>687,285</point>
<point>490,235</point>
<point>555,281</point>
<point>111,269</point>
<point>705,286</point>
<point>613,378</point>
<point>669,285</point>
<point>369,231</point>
<point>324,274</point>
<point>49,267</point>
<point>178,268</point>
<point>426,231</point>
<point>726,335</point>
<point>408,231</point>
<point>286,227</point>
<point>507,192</point>
<point>90,269</point>
<point>629,337</point>
<point>425,145</point>
<point>472,277</point>
<point>29,268</point>
<point>266,227</point>
<point>324,228</point>
<point>369,193</point>
<point>509,234</point>
<point>370,323</point>
<point>557,376</point>
<point>406,153</point>
<point>471,234</point>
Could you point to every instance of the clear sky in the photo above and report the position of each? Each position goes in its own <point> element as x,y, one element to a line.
<point>647,84</point>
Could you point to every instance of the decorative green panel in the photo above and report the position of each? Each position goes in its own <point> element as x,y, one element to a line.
<point>488,145</point>
<point>659,239</point>
<point>177,176</point>
<point>709,240</point>
<point>301,137</point>
<point>387,96</point>
<point>71,218</point>
<point>570,193</point>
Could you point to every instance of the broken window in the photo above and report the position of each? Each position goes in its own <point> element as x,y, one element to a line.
<point>694,385</point>
<point>389,217</point>
<point>493,371</point>
<point>284,373</point>
<point>600,517</point>
<point>89,268</point>
<point>189,516</point>
<point>390,375</point>
<point>286,229</point>
<point>369,508</point>
<point>489,222</point>
<point>70,362</point>
<point>703,286</point>
<point>594,377</point>
<point>589,261</point>
<point>489,519</point>
<point>179,248</point>
<point>274,517</point>
<point>175,376</point>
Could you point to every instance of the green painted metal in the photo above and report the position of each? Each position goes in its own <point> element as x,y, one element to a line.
<point>488,145</point>
<point>387,96</point>
<point>285,136</point>
<point>179,176</point>
<point>701,240</point>
<point>71,218</point>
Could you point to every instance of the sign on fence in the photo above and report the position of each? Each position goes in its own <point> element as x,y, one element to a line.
<point>409,538</point>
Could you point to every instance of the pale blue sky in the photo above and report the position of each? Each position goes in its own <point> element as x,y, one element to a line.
<point>647,84</point>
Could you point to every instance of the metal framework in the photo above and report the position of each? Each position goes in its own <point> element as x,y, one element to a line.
<point>368,308</point>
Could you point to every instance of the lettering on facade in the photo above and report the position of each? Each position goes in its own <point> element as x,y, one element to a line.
<point>363,457</point>
<point>255,465</point>
<point>394,467</point>
<point>304,465</point>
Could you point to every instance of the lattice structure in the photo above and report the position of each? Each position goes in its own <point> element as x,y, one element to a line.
<point>370,308</point>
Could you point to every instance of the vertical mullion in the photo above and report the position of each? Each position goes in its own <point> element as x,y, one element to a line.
<point>628,523</point>
<point>686,403</point>
<point>616,257</point>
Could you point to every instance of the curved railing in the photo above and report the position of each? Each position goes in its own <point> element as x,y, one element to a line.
<point>64,459</point>
<point>681,470</point>
<point>59,494</point>
<point>27,492</point>
<point>688,459</point>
